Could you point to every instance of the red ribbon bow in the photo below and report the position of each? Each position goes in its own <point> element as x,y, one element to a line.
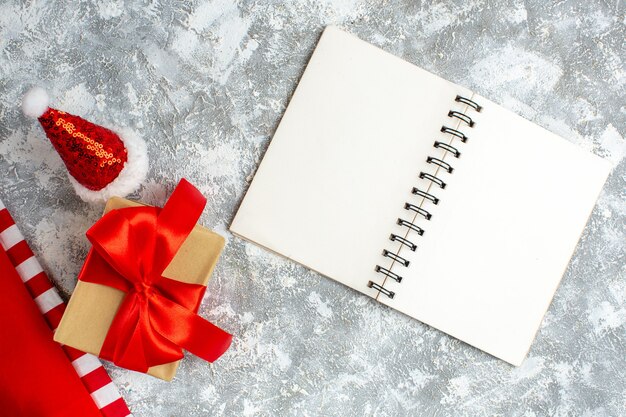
<point>131,249</point>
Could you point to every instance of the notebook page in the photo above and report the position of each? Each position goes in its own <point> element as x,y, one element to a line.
<point>502,235</point>
<point>357,129</point>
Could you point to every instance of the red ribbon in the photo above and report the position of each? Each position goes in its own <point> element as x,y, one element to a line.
<point>157,319</point>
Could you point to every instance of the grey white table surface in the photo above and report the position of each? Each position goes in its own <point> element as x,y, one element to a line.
<point>206,83</point>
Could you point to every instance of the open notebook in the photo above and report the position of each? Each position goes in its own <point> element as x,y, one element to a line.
<point>421,194</point>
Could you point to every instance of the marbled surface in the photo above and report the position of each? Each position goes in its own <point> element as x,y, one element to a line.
<point>206,82</point>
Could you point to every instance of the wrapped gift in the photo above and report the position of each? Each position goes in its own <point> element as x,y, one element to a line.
<point>140,288</point>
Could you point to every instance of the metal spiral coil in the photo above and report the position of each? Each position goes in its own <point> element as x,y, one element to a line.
<point>440,165</point>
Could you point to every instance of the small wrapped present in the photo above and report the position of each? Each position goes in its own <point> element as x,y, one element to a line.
<point>142,283</point>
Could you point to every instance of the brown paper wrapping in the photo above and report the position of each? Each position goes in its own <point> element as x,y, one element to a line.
<point>92,307</point>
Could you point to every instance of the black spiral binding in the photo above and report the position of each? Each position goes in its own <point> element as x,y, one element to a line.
<point>387,272</point>
<point>469,102</point>
<point>443,164</point>
<point>395,238</point>
<point>381,289</point>
<point>454,132</point>
<point>432,178</point>
<point>396,258</point>
<point>426,195</point>
<point>411,226</point>
<point>454,151</point>
<point>440,165</point>
<point>424,213</point>
<point>461,116</point>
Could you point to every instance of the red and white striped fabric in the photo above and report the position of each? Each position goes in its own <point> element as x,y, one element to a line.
<point>89,368</point>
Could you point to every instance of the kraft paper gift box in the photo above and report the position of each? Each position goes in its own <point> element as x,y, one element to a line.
<point>92,307</point>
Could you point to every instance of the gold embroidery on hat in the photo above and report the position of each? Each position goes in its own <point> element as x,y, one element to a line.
<point>95,146</point>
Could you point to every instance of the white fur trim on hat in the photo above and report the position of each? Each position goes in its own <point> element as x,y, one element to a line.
<point>35,102</point>
<point>130,177</point>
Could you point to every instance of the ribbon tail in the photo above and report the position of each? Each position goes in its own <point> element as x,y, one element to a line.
<point>190,331</point>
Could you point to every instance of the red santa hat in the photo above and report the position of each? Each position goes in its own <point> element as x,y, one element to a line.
<point>101,162</point>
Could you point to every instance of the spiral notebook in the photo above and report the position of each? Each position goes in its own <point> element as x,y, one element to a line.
<point>421,194</point>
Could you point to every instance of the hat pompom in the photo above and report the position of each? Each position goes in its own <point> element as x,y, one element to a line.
<point>35,102</point>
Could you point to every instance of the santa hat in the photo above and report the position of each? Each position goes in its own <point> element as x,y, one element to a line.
<point>101,162</point>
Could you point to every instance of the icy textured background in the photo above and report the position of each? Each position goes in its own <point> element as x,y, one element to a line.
<point>206,82</point>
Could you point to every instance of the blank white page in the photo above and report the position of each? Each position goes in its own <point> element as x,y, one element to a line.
<point>342,164</point>
<point>502,235</point>
<point>347,150</point>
